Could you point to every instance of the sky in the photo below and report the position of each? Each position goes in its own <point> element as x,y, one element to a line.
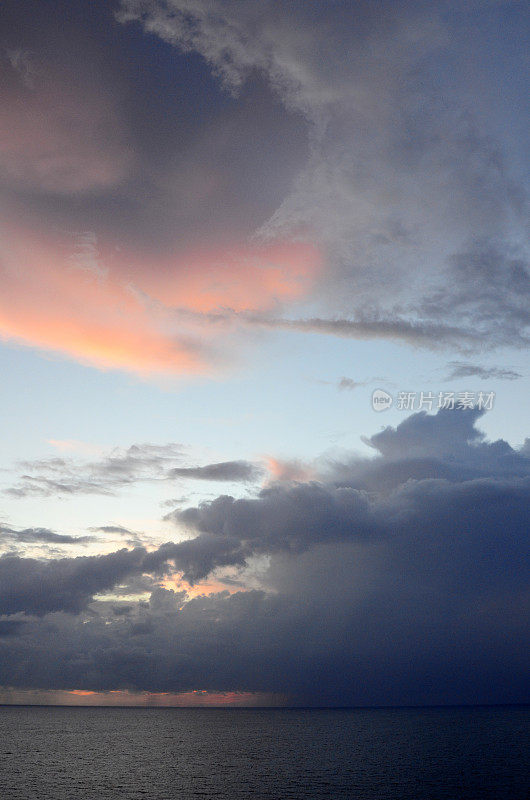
<point>264,309</point>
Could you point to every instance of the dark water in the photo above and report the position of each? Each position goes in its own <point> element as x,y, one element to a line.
<point>368,754</point>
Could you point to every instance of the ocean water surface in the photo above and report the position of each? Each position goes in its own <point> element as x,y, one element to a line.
<point>229,754</point>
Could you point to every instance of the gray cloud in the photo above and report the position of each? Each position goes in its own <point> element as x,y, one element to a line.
<point>418,334</point>
<point>461,369</point>
<point>222,471</point>
<point>11,627</point>
<point>349,383</point>
<point>121,468</point>
<point>131,538</point>
<point>66,584</point>
<point>121,531</point>
<point>415,202</point>
<point>44,535</point>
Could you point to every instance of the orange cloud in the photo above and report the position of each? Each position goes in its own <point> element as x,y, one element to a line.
<point>242,278</point>
<point>211,586</point>
<point>289,470</point>
<point>49,303</point>
<point>120,314</point>
<point>123,697</point>
<point>64,142</point>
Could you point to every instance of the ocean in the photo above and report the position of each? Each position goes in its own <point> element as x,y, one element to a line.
<point>57,753</point>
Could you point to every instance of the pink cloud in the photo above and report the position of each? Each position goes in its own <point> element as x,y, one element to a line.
<point>240,277</point>
<point>108,317</point>
<point>287,471</point>
<point>91,296</point>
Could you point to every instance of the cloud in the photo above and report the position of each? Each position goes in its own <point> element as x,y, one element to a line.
<point>22,62</point>
<point>101,306</point>
<point>461,369</point>
<point>223,471</point>
<point>418,334</point>
<point>490,282</point>
<point>10,627</point>
<point>349,383</point>
<point>67,584</point>
<point>414,201</point>
<point>321,652</point>
<point>131,538</point>
<point>400,578</point>
<point>36,535</point>
<point>305,175</point>
<point>281,470</point>
<point>114,529</point>
<point>80,148</point>
<point>86,255</point>
<point>97,319</point>
<point>129,202</point>
<point>426,466</point>
<point>116,470</point>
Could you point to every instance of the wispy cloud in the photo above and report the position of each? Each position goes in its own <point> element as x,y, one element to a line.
<point>417,333</point>
<point>42,535</point>
<point>118,469</point>
<point>461,369</point>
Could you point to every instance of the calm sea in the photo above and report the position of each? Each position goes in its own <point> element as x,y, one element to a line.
<point>368,754</point>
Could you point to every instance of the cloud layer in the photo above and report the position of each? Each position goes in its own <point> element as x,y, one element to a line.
<point>401,578</point>
<point>408,191</point>
<point>210,167</point>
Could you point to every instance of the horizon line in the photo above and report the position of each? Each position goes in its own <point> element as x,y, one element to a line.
<point>272,708</point>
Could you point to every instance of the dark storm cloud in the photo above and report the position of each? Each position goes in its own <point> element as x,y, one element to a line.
<point>122,610</point>
<point>405,644</point>
<point>461,369</point>
<point>66,584</point>
<point>39,587</point>
<point>222,471</point>
<point>11,627</point>
<point>397,579</point>
<point>425,458</point>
